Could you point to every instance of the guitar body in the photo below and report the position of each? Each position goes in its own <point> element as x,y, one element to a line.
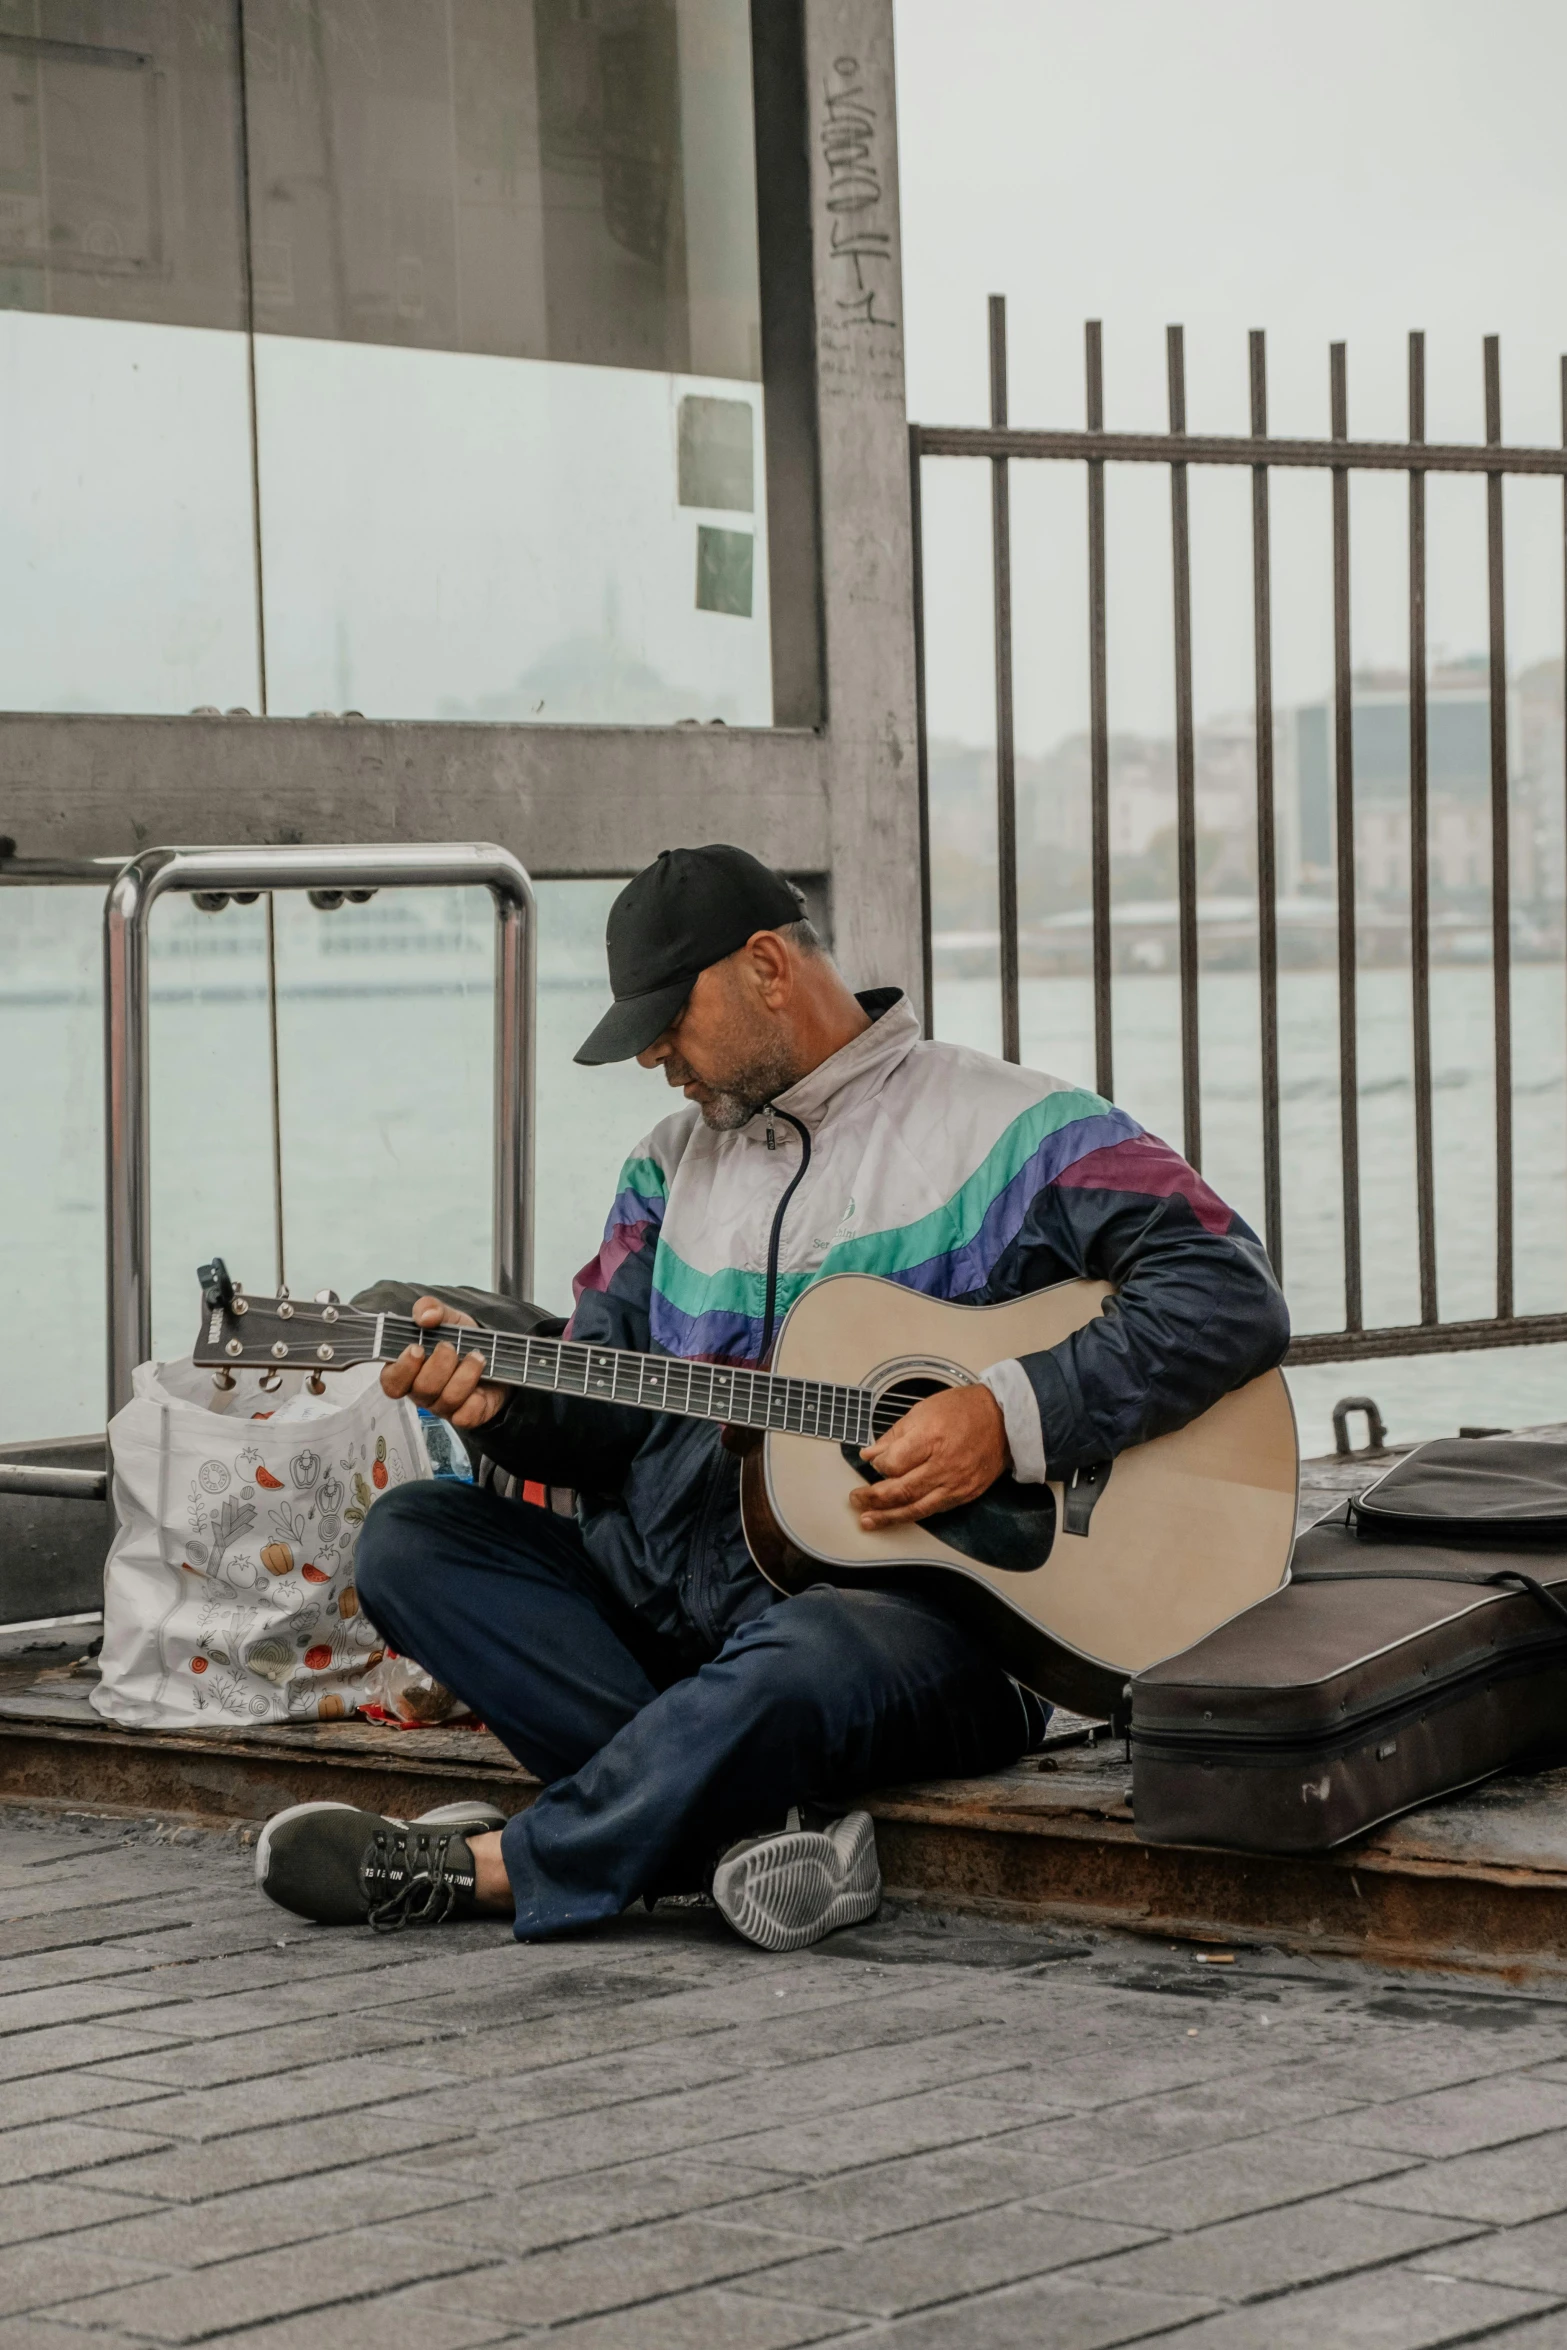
<point>1179,1534</point>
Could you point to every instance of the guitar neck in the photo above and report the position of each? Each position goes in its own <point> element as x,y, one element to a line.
<point>655,1383</point>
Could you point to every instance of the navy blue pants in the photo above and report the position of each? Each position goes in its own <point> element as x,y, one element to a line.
<point>652,1768</point>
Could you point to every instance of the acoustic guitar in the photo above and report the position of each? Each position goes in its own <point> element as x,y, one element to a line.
<point>1073,1585</point>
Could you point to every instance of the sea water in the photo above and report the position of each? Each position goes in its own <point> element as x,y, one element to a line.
<point>385,1067</point>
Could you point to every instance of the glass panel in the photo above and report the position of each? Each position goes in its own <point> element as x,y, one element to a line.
<point>386,1069</point>
<point>385,1055</point>
<point>209,1106</point>
<point>126,537</point>
<point>508,342</point>
<point>127,565</point>
<point>119,160</point>
<point>385,1027</point>
<point>570,180</point>
<point>51,1168</point>
<point>452,536</point>
<point>507,411</point>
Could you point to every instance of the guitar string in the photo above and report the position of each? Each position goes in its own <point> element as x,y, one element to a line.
<point>797,1398</point>
<point>597,1371</point>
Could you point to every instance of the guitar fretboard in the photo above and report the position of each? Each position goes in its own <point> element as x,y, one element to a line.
<point>655,1383</point>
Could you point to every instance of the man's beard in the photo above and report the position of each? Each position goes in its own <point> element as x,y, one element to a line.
<point>749,1089</point>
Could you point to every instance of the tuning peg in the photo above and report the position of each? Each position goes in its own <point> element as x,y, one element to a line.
<point>327,1297</point>
<point>218,1288</point>
<point>283,1289</point>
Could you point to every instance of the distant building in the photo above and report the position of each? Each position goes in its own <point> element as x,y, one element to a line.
<point>1458,733</point>
<point>1054,805</point>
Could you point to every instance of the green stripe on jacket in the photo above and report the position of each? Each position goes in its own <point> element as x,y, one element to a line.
<point>940,1233</point>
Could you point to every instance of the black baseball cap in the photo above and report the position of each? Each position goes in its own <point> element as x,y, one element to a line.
<point>679,915</point>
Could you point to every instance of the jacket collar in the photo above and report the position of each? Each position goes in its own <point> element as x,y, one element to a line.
<point>860,1067</point>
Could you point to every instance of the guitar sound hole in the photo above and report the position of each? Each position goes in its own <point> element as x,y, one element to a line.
<point>905,1395</point>
<point>1011,1526</point>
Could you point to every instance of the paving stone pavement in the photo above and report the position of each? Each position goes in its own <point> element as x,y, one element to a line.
<point>220,2125</point>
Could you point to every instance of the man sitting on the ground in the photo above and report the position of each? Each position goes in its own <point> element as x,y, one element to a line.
<point>675,1707</point>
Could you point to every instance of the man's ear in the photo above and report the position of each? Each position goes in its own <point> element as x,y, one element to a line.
<point>771,967</point>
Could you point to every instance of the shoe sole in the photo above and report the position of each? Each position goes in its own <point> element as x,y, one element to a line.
<point>484,1817</point>
<point>787,1891</point>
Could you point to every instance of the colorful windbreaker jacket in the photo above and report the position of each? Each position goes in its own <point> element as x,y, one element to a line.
<point>929,1164</point>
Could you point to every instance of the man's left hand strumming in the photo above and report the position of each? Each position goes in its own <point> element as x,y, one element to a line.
<point>947,1450</point>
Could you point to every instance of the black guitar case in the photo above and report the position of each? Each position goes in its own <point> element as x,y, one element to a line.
<point>1419,1646</point>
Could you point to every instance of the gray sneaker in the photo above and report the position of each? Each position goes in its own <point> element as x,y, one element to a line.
<point>341,1866</point>
<point>789,1889</point>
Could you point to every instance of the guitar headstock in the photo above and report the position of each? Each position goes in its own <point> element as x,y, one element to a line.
<point>276,1333</point>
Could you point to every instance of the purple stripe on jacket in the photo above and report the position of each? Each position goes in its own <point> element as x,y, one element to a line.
<point>1150,1168</point>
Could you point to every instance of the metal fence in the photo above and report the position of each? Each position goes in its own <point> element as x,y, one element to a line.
<point>998,443</point>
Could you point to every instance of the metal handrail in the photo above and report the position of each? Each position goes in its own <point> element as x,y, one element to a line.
<point>53,1484</point>
<point>347,865</point>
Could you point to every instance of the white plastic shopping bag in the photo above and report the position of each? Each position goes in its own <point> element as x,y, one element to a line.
<point>229,1594</point>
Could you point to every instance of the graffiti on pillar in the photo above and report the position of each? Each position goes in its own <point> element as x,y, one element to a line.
<point>860,250</point>
<point>861,259</point>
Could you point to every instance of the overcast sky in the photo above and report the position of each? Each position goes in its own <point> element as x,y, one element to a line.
<point>1343,169</point>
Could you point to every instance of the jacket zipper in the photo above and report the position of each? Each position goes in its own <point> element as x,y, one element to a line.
<point>770,1300</point>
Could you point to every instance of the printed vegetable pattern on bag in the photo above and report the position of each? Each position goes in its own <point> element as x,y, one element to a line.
<point>230,1596</point>
<point>304,1567</point>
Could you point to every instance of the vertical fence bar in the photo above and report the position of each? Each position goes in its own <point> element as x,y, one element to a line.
<point>1420,845</point>
<point>1185,762</point>
<point>921,737</point>
<point>277,1095</point>
<point>1267,853</point>
<point>252,403</point>
<point>1099,722</point>
<point>1344,831</point>
<point>1006,766</point>
<point>1501,883</point>
<point>1564,634</point>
